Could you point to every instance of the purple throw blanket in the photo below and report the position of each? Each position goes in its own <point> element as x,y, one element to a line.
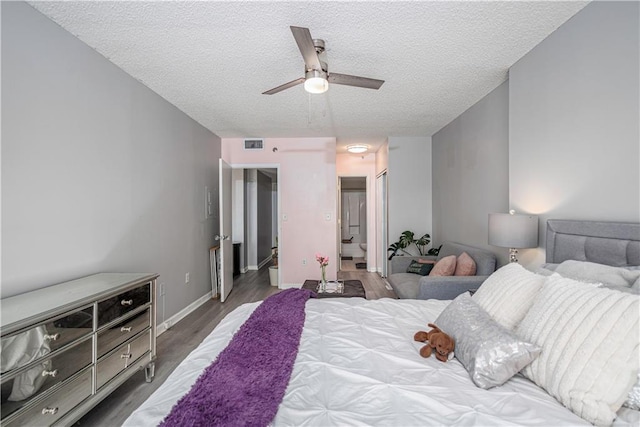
<point>246,383</point>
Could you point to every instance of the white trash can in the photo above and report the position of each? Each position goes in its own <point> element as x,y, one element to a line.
<point>273,275</point>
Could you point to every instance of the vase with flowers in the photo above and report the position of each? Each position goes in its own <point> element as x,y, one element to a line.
<point>323,261</point>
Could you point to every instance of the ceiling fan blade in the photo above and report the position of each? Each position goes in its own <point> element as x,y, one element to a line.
<point>305,44</point>
<point>345,79</point>
<point>284,86</point>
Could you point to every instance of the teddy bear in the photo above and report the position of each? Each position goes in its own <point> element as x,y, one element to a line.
<point>435,339</point>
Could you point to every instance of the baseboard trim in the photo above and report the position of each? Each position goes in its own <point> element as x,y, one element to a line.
<point>167,324</point>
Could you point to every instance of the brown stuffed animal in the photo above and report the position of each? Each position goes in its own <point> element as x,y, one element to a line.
<point>435,339</point>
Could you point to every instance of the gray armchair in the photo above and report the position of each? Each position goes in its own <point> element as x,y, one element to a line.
<point>413,286</point>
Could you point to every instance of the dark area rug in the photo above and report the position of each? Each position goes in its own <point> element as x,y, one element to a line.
<point>361,265</point>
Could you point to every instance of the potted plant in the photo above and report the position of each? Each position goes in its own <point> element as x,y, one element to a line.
<point>407,238</point>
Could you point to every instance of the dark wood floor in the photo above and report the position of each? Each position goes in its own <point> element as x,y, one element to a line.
<point>176,343</point>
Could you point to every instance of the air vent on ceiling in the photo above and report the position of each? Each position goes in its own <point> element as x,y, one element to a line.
<point>253,144</point>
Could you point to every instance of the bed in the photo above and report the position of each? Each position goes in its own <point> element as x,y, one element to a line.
<point>357,363</point>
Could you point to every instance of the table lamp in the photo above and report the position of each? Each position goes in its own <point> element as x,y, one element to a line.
<point>513,231</point>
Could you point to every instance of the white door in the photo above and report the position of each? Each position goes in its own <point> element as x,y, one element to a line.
<point>226,248</point>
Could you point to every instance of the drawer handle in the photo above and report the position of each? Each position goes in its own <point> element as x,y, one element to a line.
<point>125,329</point>
<point>53,337</point>
<point>50,373</point>
<point>49,411</point>
<point>125,356</point>
<point>126,302</point>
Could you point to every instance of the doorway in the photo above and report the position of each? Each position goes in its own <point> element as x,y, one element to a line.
<point>255,224</point>
<point>353,223</point>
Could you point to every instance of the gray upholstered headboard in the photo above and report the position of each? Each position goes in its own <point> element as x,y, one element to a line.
<point>610,243</point>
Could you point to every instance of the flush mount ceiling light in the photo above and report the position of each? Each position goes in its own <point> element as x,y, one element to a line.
<point>357,148</point>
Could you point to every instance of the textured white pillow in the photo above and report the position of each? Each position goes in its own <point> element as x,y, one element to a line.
<point>508,294</point>
<point>589,339</point>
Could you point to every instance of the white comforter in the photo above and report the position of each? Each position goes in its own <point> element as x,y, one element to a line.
<point>358,365</point>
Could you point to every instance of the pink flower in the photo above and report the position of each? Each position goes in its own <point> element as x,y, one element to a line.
<point>322,260</point>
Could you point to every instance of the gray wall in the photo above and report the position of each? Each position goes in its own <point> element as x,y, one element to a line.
<point>574,121</point>
<point>265,223</point>
<point>98,172</point>
<point>409,184</point>
<point>471,172</point>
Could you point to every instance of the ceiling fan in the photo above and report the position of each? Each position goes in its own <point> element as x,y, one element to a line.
<point>316,72</point>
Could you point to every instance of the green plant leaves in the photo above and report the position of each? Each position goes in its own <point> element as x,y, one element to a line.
<point>407,238</point>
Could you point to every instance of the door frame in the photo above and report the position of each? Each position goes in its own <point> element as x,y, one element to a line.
<point>382,221</point>
<point>370,218</point>
<point>275,166</point>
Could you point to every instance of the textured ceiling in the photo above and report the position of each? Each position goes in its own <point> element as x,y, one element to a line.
<point>214,59</point>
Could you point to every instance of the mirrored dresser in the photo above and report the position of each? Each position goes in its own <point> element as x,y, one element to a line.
<point>66,347</point>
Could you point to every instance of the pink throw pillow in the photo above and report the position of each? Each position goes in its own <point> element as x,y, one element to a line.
<point>465,265</point>
<point>426,261</point>
<point>445,266</point>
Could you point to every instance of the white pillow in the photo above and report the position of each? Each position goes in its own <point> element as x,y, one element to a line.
<point>589,339</point>
<point>598,273</point>
<point>508,294</point>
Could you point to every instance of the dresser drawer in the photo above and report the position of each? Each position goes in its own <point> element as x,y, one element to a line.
<point>114,307</point>
<point>23,348</point>
<point>125,356</point>
<point>34,381</point>
<point>116,335</point>
<point>55,406</point>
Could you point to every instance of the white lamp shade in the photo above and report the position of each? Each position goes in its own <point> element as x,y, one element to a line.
<point>513,231</point>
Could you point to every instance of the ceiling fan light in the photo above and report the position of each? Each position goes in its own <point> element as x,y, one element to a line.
<point>316,85</point>
<point>316,82</point>
<point>357,148</point>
